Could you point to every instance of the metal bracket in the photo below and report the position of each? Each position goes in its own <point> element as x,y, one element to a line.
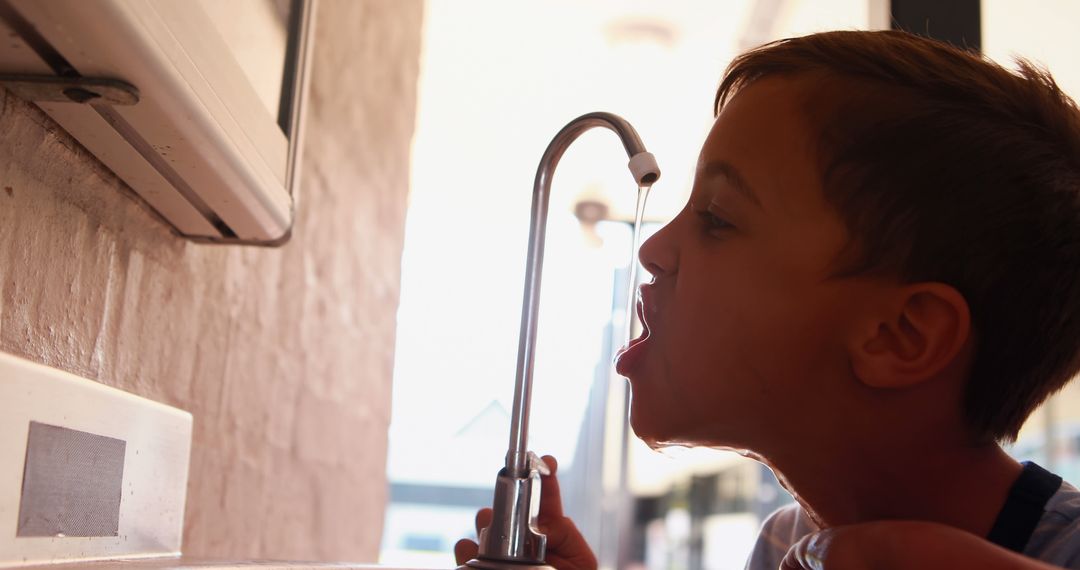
<point>53,89</point>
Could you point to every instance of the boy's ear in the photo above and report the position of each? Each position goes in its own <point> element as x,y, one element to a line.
<point>913,338</point>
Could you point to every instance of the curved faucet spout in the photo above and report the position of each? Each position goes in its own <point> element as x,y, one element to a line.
<point>513,540</point>
<point>645,171</point>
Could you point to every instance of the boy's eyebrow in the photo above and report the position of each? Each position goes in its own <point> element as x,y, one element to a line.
<point>721,169</point>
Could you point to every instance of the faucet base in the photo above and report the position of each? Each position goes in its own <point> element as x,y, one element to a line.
<point>480,564</point>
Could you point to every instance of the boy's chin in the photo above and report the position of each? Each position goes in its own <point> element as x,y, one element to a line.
<point>659,432</point>
<point>644,428</point>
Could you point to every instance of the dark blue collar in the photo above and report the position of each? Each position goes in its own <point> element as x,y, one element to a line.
<point>1024,507</point>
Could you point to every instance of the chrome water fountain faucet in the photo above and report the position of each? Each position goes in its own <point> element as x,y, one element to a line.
<point>513,540</point>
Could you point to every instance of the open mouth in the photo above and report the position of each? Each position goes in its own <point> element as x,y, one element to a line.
<point>639,308</point>
<point>628,353</point>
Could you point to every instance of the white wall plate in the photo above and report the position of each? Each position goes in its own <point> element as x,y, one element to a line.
<point>87,472</point>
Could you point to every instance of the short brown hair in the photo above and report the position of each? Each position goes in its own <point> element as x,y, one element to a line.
<point>948,167</point>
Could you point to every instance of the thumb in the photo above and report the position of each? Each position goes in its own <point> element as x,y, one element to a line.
<point>550,496</point>
<point>465,550</point>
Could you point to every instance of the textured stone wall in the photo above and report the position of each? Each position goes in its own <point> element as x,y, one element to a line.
<point>284,356</point>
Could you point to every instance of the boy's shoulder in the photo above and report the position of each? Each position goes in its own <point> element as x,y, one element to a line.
<point>1057,537</point>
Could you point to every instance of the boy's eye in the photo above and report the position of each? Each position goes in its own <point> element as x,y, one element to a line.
<point>713,223</point>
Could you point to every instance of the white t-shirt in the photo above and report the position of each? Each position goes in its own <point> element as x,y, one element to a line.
<point>1056,539</point>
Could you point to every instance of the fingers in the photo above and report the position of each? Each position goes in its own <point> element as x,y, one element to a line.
<point>550,496</point>
<point>552,463</point>
<point>465,550</point>
<point>566,545</point>
<point>561,533</point>
<point>483,520</point>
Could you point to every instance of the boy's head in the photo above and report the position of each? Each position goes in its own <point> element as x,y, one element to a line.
<point>880,224</point>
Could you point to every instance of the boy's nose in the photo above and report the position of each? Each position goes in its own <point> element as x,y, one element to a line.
<point>658,255</point>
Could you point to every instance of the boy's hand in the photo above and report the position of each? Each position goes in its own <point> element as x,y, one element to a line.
<point>902,545</point>
<point>566,547</point>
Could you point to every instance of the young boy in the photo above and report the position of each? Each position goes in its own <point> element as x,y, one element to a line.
<point>874,282</point>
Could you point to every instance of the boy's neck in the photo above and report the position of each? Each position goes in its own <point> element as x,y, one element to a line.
<point>960,485</point>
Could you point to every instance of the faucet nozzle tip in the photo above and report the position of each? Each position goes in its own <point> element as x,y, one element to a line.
<point>644,168</point>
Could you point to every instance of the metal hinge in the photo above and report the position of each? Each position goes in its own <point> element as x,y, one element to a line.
<point>53,89</point>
